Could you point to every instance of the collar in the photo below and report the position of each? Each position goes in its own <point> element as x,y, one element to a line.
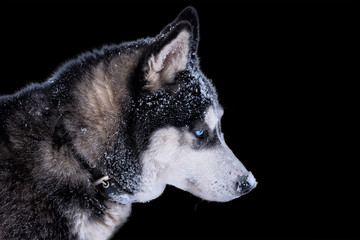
<point>108,188</point>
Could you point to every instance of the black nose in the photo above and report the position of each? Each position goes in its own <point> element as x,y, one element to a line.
<point>243,186</point>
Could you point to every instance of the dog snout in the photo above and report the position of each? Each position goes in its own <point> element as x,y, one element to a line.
<point>245,184</point>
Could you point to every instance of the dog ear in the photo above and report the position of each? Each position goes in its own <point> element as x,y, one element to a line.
<point>172,50</point>
<point>190,16</point>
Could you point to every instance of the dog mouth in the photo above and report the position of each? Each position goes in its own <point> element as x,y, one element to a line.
<point>221,192</point>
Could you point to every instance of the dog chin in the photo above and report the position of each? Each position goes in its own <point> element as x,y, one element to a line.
<point>215,197</point>
<point>210,195</point>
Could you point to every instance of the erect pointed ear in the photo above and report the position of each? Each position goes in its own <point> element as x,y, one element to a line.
<point>172,50</point>
<point>189,15</point>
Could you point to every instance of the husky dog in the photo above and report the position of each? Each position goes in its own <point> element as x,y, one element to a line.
<point>111,128</point>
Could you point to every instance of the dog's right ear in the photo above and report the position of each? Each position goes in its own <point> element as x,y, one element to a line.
<point>172,50</point>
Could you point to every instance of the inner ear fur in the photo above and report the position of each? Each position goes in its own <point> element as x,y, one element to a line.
<point>170,55</point>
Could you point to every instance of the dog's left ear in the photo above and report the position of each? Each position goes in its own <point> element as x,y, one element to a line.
<point>172,50</point>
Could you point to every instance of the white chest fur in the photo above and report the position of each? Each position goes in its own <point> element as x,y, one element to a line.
<point>87,228</point>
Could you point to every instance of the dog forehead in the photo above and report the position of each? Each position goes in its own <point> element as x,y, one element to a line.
<point>213,115</point>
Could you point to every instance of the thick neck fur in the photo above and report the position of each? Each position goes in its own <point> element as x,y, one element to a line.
<point>54,131</point>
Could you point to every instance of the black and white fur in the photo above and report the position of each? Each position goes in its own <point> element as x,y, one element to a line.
<point>135,116</point>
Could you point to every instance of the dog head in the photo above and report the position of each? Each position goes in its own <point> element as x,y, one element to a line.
<point>177,122</point>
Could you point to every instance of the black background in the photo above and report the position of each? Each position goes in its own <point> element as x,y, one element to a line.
<point>287,73</point>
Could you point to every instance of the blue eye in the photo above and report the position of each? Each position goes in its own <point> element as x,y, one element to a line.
<point>200,133</point>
